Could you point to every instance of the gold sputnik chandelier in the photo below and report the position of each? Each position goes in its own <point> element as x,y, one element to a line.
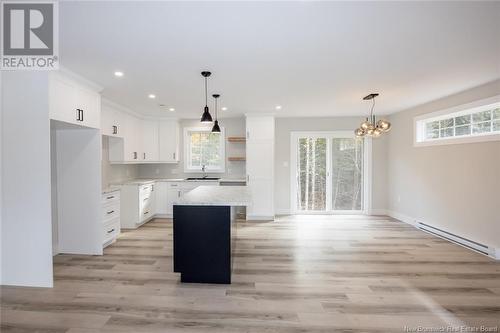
<point>371,127</point>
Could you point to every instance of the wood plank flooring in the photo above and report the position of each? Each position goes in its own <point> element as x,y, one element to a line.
<point>298,274</point>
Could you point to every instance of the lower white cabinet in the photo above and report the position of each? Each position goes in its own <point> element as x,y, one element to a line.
<point>110,217</point>
<point>137,204</point>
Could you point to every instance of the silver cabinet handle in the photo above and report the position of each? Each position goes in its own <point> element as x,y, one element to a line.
<point>145,213</point>
<point>174,156</point>
<point>115,129</point>
<point>135,155</point>
<point>110,212</point>
<point>110,197</point>
<point>144,155</point>
<point>110,231</point>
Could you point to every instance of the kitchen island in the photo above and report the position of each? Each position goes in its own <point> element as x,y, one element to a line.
<point>204,232</point>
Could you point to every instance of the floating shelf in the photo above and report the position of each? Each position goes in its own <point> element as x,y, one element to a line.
<point>236,139</point>
<point>236,159</point>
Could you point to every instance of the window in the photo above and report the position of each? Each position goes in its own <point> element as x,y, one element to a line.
<point>203,148</point>
<point>479,121</point>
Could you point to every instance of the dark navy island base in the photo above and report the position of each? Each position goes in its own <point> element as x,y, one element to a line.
<point>202,243</point>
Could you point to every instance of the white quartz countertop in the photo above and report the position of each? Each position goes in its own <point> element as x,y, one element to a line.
<point>216,196</point>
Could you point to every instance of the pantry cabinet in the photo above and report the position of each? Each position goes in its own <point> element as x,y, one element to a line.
<point>72,102</point>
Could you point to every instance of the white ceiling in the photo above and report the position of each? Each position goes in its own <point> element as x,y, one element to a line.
<point>313,58</point>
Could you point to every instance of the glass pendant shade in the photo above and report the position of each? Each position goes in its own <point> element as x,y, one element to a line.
<point>365,124</point>
<point>206,117</point>
<point>359,132</point>
<point>216,128</point>
<point>384,125</point>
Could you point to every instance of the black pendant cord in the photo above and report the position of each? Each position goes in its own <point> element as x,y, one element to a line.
<point>216,109</point>
<point>372,118</point>
<point>206,92</point>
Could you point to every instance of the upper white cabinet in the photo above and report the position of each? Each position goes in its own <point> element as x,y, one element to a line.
<point>74,103</point>
<point>169,141</point>
<point>150,144</point>
<point>136,140</point>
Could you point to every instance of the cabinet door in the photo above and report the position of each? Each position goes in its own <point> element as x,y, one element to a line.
<point>108,120</point>
<point>62,101</point>
<point>161,189</point>
<point>260,128</point>
<point>260,157</point>
<point>169,141</point>
<point>172,195</point>
<point>150,146</point>
<point>262,198</point>
<point>130,144</point>
<point>90,104</point>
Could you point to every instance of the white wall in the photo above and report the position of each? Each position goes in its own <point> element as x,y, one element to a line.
<point>115,173</point>
<point>26,205</point>
<point>282,155</point>
<point>232,127</point>
<point>454,187</point>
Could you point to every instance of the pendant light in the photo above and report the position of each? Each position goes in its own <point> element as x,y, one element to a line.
<point>371,127</point>
<point>216,128</point>
<point>206,117</point>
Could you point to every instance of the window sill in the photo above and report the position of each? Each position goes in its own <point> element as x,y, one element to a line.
<point>458,140</point>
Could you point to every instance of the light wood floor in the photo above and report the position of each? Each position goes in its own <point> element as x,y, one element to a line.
<point>298,274</point>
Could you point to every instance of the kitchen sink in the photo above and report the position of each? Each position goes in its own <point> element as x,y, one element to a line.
<point>202,178</point>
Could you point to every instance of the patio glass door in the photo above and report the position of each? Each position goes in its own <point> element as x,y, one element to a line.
<point>327,173</point>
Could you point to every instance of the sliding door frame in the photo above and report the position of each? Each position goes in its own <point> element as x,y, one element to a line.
<point>367,171</point>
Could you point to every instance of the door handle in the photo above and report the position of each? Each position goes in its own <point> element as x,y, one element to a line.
<point>174,156</point>
<point>82,114</point>
<point>135,155</point>
<point>115,129</point>
<point>144,155</point>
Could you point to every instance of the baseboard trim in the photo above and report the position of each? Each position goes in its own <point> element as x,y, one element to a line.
<point>377,211</point>
<point>464,242</point>
<point>283,211</point>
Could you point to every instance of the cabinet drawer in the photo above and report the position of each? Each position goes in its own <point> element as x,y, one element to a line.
<point>110,197</point>
<point>174,184</point>
<point>111,230</point>
<point>111,211</point>
<point>145,190</point>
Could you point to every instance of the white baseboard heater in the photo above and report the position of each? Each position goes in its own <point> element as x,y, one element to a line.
<point>468,243</point>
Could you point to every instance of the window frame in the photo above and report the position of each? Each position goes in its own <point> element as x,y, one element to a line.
<point>188,168</point>
<point>419,124</point>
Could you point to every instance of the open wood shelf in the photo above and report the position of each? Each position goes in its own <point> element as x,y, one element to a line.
<point>236,139</point>
<point>236,159</point>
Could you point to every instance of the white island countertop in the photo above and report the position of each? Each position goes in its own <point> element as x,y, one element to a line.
<point>216,196</point>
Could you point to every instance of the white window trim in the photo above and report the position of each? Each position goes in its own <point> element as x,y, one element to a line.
<point>222,150</point>
<point>367,173</point>
<point>476,106</point>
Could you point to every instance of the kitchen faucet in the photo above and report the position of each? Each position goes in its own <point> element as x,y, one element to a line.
<point>203,168</point>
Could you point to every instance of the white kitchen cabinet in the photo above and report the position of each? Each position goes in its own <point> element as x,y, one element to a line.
<point>127,148</point>
<point>137,204</point>
<point>149,151</point>
<point>111,122</point>
<point>168,141</point>
<point>110,217</point>
<point>74,103</point>
<point>260,166</point>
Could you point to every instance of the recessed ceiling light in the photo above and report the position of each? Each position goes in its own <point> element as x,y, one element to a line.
<point>119,74</point>
<point>223,108</point>
<point>152,96</point>
<point>171,109</point>
<point>278,107</point>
